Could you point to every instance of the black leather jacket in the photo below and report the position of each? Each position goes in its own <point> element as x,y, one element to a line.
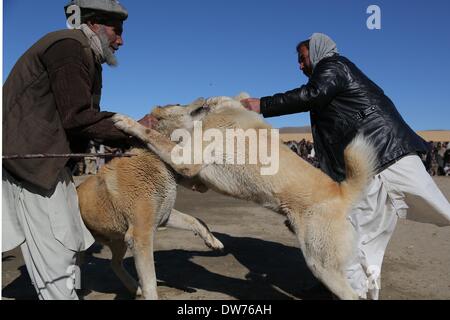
<point>342,101</point>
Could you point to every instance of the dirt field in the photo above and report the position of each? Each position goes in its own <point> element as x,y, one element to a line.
<point>260,261</point>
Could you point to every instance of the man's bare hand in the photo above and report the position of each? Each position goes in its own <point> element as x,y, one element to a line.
<point>252,104</point>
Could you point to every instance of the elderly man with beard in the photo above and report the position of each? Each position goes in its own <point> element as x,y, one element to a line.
<point>51,106</point>
<point>342,101</point>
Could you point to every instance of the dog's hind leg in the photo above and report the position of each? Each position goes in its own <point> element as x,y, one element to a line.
<point>335,280</point>
<point>118,249</point>
<point>326,247</point>
<point>179,220</point>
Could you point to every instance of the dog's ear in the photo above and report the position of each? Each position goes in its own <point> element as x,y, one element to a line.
<point>197,103</point>
<point>157,112</point>
<point>241,96</point>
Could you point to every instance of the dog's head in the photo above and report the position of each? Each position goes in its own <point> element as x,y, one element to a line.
<point>217,103</point>
<point>172,117</point>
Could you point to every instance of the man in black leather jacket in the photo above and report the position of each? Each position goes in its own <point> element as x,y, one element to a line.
<point>342,102</point>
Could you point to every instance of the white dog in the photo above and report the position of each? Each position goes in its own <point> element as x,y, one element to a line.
<point>315,205</point>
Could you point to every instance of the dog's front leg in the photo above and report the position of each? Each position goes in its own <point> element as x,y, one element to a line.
<point>139,239</point>
<point>159,144</point>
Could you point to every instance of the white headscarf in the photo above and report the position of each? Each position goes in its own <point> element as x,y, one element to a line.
<point>94,41</point>
<point>321,46</point>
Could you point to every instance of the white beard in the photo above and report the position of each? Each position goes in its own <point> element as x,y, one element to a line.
<point>108,53</point>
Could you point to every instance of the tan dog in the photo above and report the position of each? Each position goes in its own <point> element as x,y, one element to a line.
<point>124,204</point>
<point>316,206</point>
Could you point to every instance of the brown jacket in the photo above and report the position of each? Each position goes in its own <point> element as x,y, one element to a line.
<point>51,105</point>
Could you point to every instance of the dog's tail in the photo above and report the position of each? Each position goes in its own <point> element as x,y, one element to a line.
<point>360,163</point>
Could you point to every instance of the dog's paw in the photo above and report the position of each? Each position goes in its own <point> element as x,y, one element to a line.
<point>214,243</point>
<point>123,122</point>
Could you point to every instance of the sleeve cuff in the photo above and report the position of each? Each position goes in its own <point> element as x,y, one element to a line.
<point>265,107</point>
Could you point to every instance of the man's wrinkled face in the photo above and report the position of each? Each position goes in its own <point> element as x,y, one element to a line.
<point>111,39</point>
<point>113,33</point>
<point>305,61</point>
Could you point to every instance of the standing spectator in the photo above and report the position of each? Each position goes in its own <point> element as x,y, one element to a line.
<point>426,158</point>
<point>91,162</point>
<point>100,160</point>
<point>440,158</point>
<point>447,160</point>
<point>51,105</point>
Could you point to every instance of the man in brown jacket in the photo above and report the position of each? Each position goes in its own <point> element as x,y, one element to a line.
<point>51,106</point>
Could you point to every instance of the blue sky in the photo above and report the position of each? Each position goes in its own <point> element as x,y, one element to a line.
<point>176,51</point>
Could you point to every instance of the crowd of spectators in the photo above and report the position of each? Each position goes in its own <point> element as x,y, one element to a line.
<point>437,161</point>
<point>91,165</point>
<point>304,149</point>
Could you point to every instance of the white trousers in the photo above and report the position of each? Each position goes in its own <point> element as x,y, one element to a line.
<point>50,232</point>
<point>374,218</point>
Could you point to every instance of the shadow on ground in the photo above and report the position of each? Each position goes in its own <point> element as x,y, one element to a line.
<point>275,271</point>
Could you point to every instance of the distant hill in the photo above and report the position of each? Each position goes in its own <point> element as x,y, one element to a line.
<point>299,133</point>
<point>305,129</point>
<point>437,130</point>
<point>435,135</point>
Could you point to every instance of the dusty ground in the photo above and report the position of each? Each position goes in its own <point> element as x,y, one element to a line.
<point>261,260</point>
